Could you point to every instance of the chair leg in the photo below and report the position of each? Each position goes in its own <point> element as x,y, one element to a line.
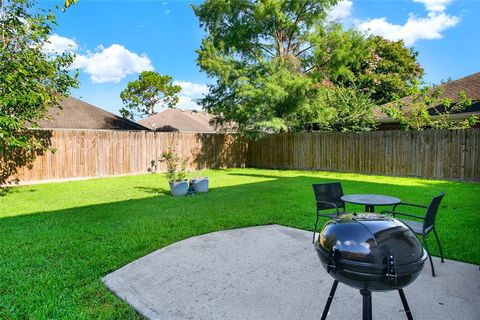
<point>438,243</point>
<point>429,255</point>
<point>315,230</point>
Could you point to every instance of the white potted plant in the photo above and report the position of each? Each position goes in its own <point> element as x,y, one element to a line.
<point>176,177</point>
<point>200,185</point>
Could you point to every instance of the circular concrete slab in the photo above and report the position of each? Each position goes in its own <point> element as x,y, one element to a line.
<point>272,272</point>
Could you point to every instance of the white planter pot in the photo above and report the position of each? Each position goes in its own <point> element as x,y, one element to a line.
<point>200,185</point>
<point>179,188</point>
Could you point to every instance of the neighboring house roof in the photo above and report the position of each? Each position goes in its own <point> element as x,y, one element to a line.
<point>470,85</point>
<point>77,114</point>
<point>181,120</point>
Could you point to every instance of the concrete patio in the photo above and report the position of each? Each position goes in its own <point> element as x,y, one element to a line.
<point>272,272</point>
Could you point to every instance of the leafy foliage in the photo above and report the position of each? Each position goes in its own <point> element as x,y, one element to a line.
<point>271,58</point>
<point>259,98</point>
<point>340,109</point>
<point>31,81</point>
<point>429,108</point>
<point>148,91</point>
<point>386,70</point>
<point>173,161</point>
<point>390,70</point>
<point>338,55</point>
<point>69,3</point>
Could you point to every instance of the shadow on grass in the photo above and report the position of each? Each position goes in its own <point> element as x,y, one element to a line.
<point>366,178</point>
<point>64,253</point>
<point>6,190</point>
<point>155,191</point>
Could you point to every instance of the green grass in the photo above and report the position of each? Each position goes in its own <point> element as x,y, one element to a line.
<point>58,240</point>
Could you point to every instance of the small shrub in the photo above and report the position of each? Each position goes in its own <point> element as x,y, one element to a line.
<point>174,174</point>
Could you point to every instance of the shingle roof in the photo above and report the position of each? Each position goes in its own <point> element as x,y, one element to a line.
<point>77,114</point>
<point>470,84</point>
<point>180,120</point>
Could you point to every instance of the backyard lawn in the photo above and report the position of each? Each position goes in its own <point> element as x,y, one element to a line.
<point>58,240</point>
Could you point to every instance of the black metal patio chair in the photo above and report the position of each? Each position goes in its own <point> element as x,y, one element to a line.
<point>327,196</point>
<point>427,224</point>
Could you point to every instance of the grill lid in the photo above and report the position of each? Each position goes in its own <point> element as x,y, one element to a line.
<point>370,238</point>
<point>370,250</point>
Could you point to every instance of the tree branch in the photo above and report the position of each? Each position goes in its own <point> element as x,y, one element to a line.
<point>306,49</point>
<point>297,19</point>
<point>265,49</point>
<point>310,69</point>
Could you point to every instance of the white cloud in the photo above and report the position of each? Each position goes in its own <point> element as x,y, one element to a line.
<point>434,5</point>
<point>191,89</point>
<point>112,64</point>
<point>190,92</point>
<point>416,28</point>
<point>58,44</point>
<point>187,103</point>
<point>340,11</point>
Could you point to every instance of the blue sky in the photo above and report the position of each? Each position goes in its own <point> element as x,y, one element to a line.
<point>116,40</point>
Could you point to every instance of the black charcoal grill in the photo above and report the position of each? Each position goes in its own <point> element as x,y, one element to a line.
<point>370,252</point>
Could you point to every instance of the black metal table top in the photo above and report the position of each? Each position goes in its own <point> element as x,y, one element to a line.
<point>370,199</point>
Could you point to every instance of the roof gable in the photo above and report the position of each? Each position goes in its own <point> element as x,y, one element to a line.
<point>180,120</point>
<point>77,114</point>
<point>469,84</point>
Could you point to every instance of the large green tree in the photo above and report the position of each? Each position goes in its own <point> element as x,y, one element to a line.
<point>260,53</point>
<point>31,81</point>
<point>149,91</point>
<point>272,58</point>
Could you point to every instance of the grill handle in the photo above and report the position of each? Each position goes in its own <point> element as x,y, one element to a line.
<point>332,259</point>
<point>391,270</point>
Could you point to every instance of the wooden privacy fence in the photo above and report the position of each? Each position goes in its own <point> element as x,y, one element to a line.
<point>95,153</point>
<point>442,154</point>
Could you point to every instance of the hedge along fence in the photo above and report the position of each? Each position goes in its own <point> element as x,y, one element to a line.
<point>97,153</point>
<point>440,154</point>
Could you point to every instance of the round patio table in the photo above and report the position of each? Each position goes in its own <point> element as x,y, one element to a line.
<point>370,200</point>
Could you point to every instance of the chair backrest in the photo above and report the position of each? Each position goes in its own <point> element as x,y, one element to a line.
<point>432,211</point>
<point>328,192</point>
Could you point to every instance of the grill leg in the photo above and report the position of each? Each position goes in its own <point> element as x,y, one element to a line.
<point>367,304</point>
<point>405,304</point>
<point>329,300</point>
